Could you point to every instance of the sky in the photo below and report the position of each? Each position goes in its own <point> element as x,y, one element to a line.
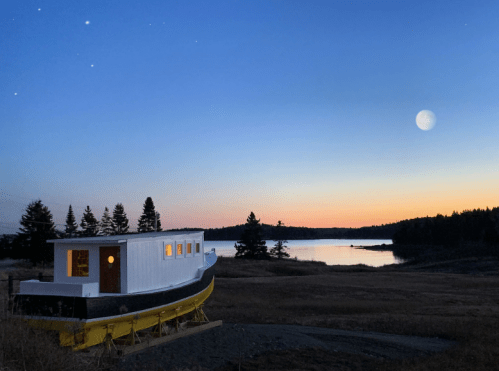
<point>300,111</point>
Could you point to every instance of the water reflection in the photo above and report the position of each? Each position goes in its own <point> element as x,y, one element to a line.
<point>332,252</point>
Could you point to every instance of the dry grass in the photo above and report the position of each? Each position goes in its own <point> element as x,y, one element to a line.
<point>26,348</point>
<point>458,307</point>
<point>239,268</point>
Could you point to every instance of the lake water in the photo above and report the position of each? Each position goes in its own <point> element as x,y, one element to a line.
<point>332,252</point>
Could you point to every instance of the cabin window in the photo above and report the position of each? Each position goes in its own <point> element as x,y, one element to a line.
<point>77,263</point>
<point>168,250</point>
<point>198,247</point>
<point>189,248</point>
<point>179,249</point>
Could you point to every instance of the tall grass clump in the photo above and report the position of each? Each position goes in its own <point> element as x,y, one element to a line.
<point>25,348</point>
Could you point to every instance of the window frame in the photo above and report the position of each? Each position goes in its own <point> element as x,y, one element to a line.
<point>200,249</point>
<point>168,257</point>
<point>187,254</point>
<point>69,263</point>
<point>179,242</point>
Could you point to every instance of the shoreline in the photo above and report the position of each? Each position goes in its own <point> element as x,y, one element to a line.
<point>382,247</point>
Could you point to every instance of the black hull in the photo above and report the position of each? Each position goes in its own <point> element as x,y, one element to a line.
<point>105,306</point>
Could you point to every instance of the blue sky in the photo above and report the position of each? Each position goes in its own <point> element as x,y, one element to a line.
<point>299,111</point>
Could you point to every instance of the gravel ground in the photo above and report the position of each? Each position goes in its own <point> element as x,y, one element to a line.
<point>214,348</point>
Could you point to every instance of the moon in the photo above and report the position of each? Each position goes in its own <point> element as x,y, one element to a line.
<point>426,120</point>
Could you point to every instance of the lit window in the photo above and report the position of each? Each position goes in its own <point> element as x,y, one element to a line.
<point>77,263</point>
<point>168,250</point>
<point>179,249</point>
<point>189,248</point>
<point>198,247</point>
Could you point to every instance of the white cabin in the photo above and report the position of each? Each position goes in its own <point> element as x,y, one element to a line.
<point>125,264</point>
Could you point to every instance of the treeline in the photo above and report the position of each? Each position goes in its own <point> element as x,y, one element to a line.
<point>268,231</point>
<point>37,227</point>
<point>470,226</point>
<point>470,233</point>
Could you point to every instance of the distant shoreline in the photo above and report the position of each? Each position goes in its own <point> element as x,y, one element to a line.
<point>382,247</point>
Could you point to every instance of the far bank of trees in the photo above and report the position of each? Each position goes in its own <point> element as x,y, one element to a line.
<point>470,233</point>
<point>384,231</point>
<point>470,226</point>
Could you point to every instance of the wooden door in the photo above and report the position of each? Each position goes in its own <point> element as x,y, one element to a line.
<point>110,277</point>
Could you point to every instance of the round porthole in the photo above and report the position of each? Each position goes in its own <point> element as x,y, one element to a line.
<point>110,259</point>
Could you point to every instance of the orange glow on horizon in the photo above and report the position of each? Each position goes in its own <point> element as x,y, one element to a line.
<point>349,214</point>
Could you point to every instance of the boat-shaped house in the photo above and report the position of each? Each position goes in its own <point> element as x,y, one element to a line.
<point>111,286</point>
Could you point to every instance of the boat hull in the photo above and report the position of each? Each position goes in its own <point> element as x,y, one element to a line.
<point>83,322</point>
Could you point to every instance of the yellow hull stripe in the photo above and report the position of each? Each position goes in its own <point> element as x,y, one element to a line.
<point>83,334</point>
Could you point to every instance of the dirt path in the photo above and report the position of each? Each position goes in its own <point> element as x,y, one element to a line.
<point>216,347</point>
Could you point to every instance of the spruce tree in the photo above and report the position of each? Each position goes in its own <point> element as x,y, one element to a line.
<point>251,245</point>
<point>120,221</point>
<point>37,228</point>
<point>148,218</point>
<point>89,225</point>
<point>106,224</point>
<point>71,225</point>
<point>278,249</point>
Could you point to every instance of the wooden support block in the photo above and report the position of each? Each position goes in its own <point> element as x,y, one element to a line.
<point>165,339</point>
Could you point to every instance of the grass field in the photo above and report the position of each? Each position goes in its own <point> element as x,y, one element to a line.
<point>399,300</point>
<point>460,307</point>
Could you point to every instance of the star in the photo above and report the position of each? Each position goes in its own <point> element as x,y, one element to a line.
<point>91,65</point>
<point>39,9</point>
<point>15,93</point>
<point>87,22</point>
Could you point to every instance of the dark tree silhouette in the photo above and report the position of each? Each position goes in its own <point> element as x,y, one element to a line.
<point>251,245</point>
<point>471,233</point>
<point>6,244</point>
<point>71,226</point>
<point>89,225</point>
<point>37,228</point>
<point>120,221</point>
<point>279,248</point>
<point>149,218</point>
<point>106,223</point>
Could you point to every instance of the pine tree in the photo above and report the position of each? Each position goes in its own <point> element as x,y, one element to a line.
<point>71,225</point>
<point>106,224</point>
<point>5,247</point>
<point>251,245</point>
<point>89,225</point>
<point>120,221</point>
<point>278,249</point>
<point>38,227</point>
<point>148,218</point>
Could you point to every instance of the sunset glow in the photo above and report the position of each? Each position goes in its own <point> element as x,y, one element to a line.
<point>299,112</point>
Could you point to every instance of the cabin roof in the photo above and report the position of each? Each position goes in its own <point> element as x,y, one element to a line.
<point>124,237</point>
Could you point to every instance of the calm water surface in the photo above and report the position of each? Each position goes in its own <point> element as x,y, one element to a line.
<point>333,252</point>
